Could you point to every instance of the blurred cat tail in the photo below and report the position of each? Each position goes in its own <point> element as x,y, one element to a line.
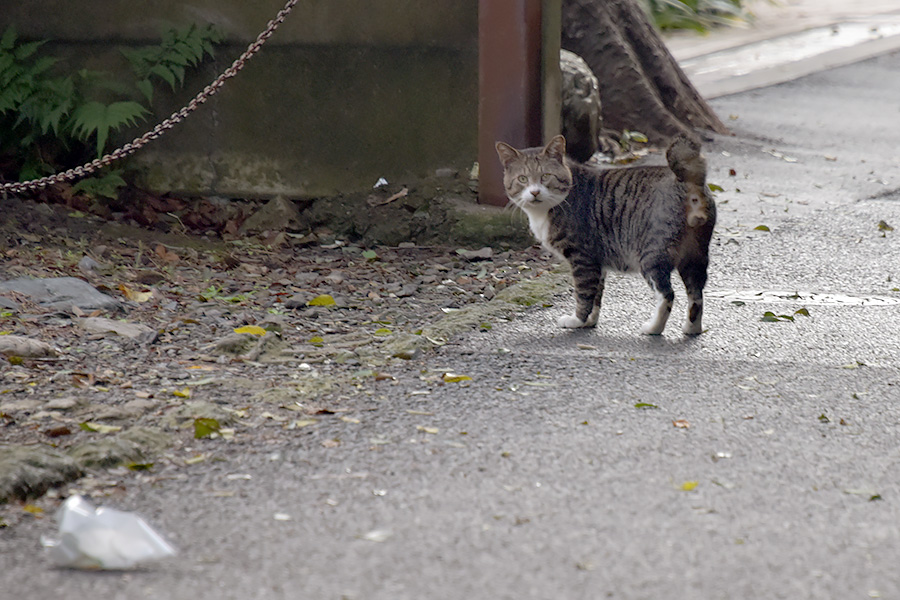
<point>689,166</point>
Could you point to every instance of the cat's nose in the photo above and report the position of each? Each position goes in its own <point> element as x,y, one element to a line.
<point>535,192</point>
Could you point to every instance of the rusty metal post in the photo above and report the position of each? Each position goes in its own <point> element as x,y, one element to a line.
<point>518,74</point>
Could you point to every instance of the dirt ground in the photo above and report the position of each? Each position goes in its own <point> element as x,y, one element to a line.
<point>296,365</point>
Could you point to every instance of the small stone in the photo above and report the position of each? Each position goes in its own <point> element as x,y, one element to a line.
<point>23,347</point>
<point>408,290</point>
<point>150,277</point>
<point>28,472</point>
<point>296,301</point>
<point>24,405</point>
<point>61,293</point>
<point>65,403</point>
<point>134,331</point>
<point>481,254</point>
<point>276,215</point>
<point>88,265</point>
<point>138,444</point>
<point>234,344</point>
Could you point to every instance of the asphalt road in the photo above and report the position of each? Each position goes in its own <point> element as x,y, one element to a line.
<point>541,478</point>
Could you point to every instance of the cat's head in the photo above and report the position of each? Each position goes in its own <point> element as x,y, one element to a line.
<point>536,178</point>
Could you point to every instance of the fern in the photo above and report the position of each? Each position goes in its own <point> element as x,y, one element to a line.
<point>97,119</point>
<point>106,186</point>
<point>180,49</point>
<point>43,114</point>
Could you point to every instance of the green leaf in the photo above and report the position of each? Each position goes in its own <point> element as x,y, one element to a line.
<point>454,378</point>
<point>133,466</point>
<point>164,73</point>
<point>715,188</point>
<point>26,50</point>
<point>146,88</point>
<point>96,118</point>
<point>645,406</point>
<point>9,38</point>
<point>762,228</point>
<point>637,136</point>
<point>802,311</point>
<point>770,317</point>
<point>205,427</point>
<point>99,427</point>
<point>370,254</point>
<point>107,186</point>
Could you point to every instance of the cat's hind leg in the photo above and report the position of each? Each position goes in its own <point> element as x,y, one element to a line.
<point>589,284</point>
<point>693,273</point>
<point>660,280</point>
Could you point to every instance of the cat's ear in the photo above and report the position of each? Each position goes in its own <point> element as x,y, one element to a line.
<point>506,153</point>
<point>556,148</point>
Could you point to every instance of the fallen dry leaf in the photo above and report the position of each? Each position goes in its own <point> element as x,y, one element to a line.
<point>165,254</point>
<point>251,329</point>
<point>134,295</point>
<point>454,378</point>
<point>322,300</point>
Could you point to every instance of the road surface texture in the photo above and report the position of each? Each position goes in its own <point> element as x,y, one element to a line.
<point>758,460</point>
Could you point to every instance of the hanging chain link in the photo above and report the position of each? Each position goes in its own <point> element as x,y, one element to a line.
<point>164,126</point>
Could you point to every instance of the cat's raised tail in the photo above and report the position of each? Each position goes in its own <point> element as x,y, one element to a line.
<point>689,167</point>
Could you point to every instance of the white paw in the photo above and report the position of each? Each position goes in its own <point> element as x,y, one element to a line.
<point>592,318</point>
<point>653,327</point>
<point>571,322</point>
<point>695,328</point>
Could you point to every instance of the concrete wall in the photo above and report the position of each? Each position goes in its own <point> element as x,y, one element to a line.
<point>347,91</point>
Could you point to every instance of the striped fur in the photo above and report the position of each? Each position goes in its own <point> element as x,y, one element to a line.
<point>650,220</point>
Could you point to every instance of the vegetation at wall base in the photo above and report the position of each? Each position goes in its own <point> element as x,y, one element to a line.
<point>53,118</point>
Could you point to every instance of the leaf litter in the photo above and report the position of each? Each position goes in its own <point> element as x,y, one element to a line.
<point>304,318</point>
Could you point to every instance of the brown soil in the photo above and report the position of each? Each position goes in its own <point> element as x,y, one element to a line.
<point>195,290</point>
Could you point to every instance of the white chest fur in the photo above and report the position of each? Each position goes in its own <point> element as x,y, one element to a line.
<point>539,222</point>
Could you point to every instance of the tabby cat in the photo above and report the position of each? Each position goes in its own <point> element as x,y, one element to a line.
<point>646,219</point>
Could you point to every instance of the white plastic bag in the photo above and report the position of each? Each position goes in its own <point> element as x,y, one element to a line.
<point>103,538</point>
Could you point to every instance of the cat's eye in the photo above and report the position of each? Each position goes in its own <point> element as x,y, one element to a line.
<point>546,178</point>
<point>523,179</point>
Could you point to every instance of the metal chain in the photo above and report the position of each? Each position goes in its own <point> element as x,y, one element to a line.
<point>164,126</point>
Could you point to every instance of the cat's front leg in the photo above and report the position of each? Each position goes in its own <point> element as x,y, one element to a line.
<point>589,284</point>
<point>573,322</point>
